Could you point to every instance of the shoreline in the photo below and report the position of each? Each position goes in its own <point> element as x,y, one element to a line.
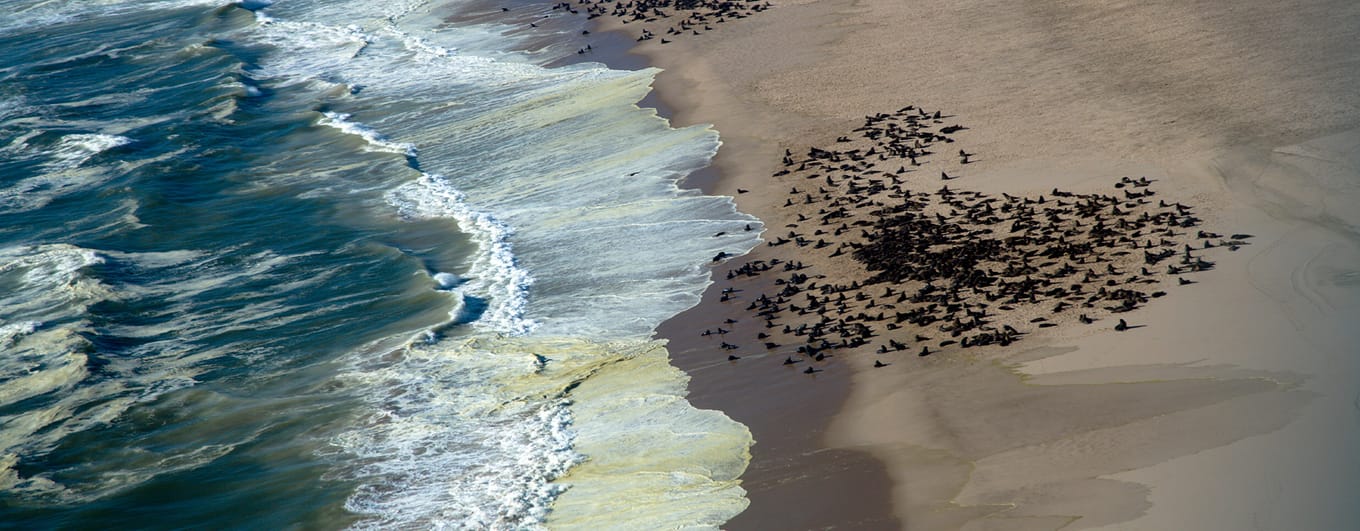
<point>1197,397</point>
<point>788,457</point>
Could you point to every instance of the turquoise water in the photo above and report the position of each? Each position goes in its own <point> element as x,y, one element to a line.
<point>344,264</point>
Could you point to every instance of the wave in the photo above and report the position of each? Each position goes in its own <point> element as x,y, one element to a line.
<point>77,149</point>
<point>450,445</point>
<point>46,282</point>
<point>30,15</point>
<point>43,308</point>
<point>65,171</point>
<point>494,275</point>
<point>538,401</point>
<point>60,376</point>
<point>375,140</point>
<point>585,244</point>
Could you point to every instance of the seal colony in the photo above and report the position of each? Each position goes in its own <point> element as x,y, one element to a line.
<point>696,17</point>
<point>1206,389</point>
<point>886,257</point>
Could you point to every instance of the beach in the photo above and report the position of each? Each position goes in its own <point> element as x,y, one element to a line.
<point>1233,407</point>
<point>848,264</point>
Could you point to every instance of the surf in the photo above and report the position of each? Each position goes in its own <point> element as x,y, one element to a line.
<point>394,257</point>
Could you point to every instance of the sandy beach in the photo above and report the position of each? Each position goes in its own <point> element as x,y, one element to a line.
<point>1234,405</point>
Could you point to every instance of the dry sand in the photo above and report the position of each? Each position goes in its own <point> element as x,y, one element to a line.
<point>1236,407</point>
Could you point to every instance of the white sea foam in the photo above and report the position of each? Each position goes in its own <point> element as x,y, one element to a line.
<point>494,273</point>
<point>457,440</point>
<point>44,281</point>
<point>376,141</point>
<point>549,171</point>
<point>11,332</point>
<point>76,149</point>
<point>448,280</point>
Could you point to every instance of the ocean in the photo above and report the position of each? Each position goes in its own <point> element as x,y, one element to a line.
<point>371,264</point>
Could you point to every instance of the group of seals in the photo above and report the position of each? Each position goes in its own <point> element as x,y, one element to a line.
<point>695,16</point>
<point>922,267</point>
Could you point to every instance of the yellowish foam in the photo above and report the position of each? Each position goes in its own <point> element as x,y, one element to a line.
<point>653,461</point>
<point>650,459</point>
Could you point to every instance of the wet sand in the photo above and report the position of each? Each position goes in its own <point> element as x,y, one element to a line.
<point>794,481</point>
<point>1235,406</point>
<point>790,460</point>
